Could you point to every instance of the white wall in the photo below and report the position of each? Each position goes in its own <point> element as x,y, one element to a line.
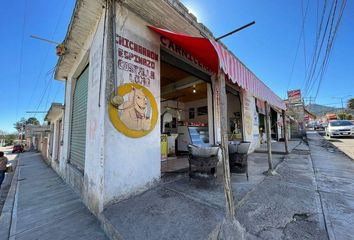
<point>96,108</point>
<point>55,142</point>
<point>89,183</point>
<point>132,164</point>
<point>171,103</point>
<point>250,120</point>
<point>195,105</point>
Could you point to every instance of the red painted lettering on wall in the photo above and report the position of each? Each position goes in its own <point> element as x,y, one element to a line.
<point>181,51</point>
<point>139,61</point>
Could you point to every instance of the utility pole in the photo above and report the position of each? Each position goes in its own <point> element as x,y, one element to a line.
<point>311,100</point>
<point>341,100</point>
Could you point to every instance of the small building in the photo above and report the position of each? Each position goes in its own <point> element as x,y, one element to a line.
<point>296,109</point>
<point>309,116</point>
<point>54,119</point>
<point>34,137</point>
<point>139,75</point>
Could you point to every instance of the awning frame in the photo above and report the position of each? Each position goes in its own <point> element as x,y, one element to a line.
<point>215,56</point>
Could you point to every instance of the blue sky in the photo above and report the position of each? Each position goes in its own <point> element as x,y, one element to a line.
<point>268,48</point>
<point>20,19</point>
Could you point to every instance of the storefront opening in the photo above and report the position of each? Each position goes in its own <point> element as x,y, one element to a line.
<point>185,116</point>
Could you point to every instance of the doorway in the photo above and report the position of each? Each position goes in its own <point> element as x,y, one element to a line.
<point>185,115</point>
<point>234,115</point>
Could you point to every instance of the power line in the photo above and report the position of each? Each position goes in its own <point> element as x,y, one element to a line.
<point>21,58</point>
<point>303,33</point>
<point>317,40</point>
<point>309,81</point>
<point>331,41</point>
<point>43,95</point>
<point>47,53</point>
<point>298,46</point>
<point>331,36</point>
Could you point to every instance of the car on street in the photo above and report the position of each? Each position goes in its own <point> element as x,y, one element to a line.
<point>18,149</point>
<point>340,128</point>
<point>318,126</point>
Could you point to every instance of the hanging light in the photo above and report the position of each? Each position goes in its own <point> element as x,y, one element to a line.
<point>194,90</point>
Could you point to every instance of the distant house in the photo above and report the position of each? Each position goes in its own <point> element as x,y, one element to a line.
<point>308,116</point>
<point>34,135</point>
<point>54,119</point>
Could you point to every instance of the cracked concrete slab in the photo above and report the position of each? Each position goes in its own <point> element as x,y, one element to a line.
<point>163,214</point>
<point>272,206</point>
<point>267,207</point>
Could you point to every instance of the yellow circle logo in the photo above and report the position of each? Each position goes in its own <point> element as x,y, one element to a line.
<point>135,114</point>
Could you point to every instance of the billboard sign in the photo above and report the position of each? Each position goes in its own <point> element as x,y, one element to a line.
<point>294,96</point>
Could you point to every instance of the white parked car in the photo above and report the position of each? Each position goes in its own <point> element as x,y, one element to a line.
<point>340,128</point>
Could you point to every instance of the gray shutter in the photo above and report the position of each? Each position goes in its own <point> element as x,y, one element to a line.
<point>78,121</point>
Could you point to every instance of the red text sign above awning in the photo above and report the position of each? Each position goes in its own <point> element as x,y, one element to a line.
<point>215,57</point>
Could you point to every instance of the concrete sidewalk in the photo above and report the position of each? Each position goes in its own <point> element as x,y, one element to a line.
<point>279,147</point>
<point>335,181</point>
<point>285,206</point>
<point>44,207</point>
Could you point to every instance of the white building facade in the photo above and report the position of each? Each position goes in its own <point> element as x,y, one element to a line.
<point>116,90</point>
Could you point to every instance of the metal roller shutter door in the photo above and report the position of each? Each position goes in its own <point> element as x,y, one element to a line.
<point>78,121</point>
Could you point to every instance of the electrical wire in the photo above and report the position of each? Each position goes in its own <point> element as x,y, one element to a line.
<point>331,44</point>
<point>21,58</point>
<point>46,55</point>
<point>321,70</point>
<point>298,44</point>
<point>309,80</point>
<point>303,32</point>
<point>318,34</point>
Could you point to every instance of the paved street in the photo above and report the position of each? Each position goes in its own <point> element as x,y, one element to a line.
<point>345,144</point>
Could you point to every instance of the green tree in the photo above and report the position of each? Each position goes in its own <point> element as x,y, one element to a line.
<point>345,116</point>
<point>350,103</point>
<point>32,120</point>
<point>19,125</point>
<point>342,115</point>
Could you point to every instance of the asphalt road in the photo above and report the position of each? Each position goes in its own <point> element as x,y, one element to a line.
<point>345,144</point>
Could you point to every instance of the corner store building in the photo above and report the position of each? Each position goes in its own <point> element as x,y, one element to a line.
<point>105,157</point>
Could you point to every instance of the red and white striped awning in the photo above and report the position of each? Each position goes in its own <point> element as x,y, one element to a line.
<point>215,56</point>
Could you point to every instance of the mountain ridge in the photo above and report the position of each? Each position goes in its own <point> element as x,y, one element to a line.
<point>321,110</point>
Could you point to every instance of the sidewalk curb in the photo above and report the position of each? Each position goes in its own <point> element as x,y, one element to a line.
<point>328,225</point>
<point>6,218</point>
<point>338,149</point>
<point>273,152</point>
<point>108,228</point>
